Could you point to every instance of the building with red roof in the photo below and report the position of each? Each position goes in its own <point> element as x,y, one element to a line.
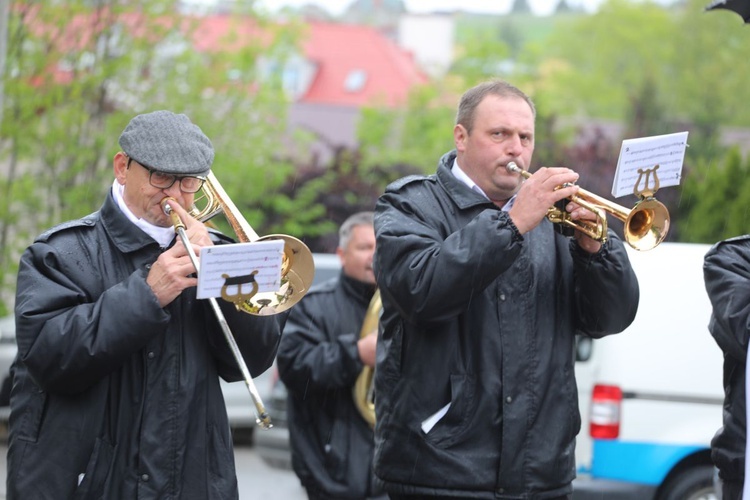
<point>340,69</point>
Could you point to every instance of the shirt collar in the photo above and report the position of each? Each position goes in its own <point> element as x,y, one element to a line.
<point>461,176</point>
<point>163,235</point>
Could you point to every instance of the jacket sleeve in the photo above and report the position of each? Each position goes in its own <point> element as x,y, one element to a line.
<point>606,288</point>
<point>726,271</point>
<point>430,270</point>
<point>308,359</point>
<point>69,340</point>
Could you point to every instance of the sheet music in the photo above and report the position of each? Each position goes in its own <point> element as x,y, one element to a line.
<point>667,151</point>
<point>240,260</point>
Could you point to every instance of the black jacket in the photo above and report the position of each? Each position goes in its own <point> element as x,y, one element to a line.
<point>332,445</point>
<point>727,275</point>
<point>481,317</point>
<point>110,390</point>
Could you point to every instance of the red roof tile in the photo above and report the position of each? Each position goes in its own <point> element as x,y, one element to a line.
<point>336,50</point>
<point>339,49</point>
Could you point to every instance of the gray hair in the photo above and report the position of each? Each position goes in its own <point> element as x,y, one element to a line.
<point>472,97</point>
<point>358,219</point>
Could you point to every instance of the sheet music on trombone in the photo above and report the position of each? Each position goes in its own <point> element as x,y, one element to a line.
<point>667,151</point>
<point>238,261</point>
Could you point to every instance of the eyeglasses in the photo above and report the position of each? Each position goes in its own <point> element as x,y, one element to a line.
<point>163,180</point>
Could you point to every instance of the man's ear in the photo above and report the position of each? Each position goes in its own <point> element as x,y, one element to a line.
<point>120,166</point>
<point>459,136</point>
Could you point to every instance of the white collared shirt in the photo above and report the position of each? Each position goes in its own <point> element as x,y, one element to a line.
<point>461,176</point>
<point>163,235</point>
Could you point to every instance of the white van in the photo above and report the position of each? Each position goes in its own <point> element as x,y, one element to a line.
<point>651,397</point>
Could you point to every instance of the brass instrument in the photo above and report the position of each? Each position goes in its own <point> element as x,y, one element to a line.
<point>364,391</point>
<point>297,267</point>
<point>646,224</point>
<point>297,273</point>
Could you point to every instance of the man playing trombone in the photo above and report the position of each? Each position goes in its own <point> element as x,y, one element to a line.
<point>482,299</point>
<point>116,382</point>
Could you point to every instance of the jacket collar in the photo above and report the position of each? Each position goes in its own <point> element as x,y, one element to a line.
<point>461,194</point>
<point>362,292</point>
<point>127,236</point>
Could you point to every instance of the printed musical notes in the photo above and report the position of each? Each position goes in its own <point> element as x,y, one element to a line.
<point>237,261</point>
<point>666,151</point>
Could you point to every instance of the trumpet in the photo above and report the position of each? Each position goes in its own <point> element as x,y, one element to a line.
<point>645,225</point>
<point>297,273</point>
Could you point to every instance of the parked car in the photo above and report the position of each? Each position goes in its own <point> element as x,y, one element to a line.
<point>651,397</point>
<point>240,408</point>
<point>7,354</point>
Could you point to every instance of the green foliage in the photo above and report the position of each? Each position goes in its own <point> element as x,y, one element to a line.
<point>716,200</point>
<point>60,128</point>
<point>416,134</point>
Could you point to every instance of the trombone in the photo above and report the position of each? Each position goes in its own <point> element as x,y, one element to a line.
<point>645,225</point>
<point>297,272</point>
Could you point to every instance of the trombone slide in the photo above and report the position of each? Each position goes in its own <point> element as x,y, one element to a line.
<point>261,415</point>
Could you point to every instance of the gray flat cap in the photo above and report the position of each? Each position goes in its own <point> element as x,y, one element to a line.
<point>168,142</point>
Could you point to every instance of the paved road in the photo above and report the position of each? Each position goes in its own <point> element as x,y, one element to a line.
<point>256,479</point>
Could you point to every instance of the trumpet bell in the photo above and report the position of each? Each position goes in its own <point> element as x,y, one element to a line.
<point>647,224</point>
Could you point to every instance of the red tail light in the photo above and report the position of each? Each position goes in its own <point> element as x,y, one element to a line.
<point>606,402</point>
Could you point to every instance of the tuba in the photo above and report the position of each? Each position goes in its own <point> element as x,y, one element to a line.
<point>364,390</point>
<point>297,272</point>
<point>646,224</point>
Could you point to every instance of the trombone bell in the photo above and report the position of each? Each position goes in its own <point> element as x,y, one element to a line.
<point>297,266</point>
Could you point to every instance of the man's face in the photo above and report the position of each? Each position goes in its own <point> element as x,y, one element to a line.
<point>503,131</point>
<point>356,258</point>
<point>143,199</point>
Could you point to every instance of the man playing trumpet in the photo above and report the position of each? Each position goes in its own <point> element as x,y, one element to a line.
<point>482,301</point>
<point>116,384</point>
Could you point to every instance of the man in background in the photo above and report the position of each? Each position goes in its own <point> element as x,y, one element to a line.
<point>321,355</point>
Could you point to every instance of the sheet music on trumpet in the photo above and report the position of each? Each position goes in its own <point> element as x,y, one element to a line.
<point>667,151</point>
<point>239,261</point>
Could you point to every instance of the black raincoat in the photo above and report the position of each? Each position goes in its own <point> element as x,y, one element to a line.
<point>318,361</point>
<point>115,397</point>
<point>475,389</point>
<point>726,271</point>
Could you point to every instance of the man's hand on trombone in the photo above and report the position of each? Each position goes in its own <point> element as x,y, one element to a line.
<point>174,271</point>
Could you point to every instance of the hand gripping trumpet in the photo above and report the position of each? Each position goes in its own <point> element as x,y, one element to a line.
<point>645,225</point>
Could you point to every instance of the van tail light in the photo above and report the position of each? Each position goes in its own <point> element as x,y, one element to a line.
<point>606,402</point>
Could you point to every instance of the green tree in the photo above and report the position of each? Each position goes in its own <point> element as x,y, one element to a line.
<point>520,7</point>
<point>716,199</point>
<point>78,72</point>
<point>415,134</point>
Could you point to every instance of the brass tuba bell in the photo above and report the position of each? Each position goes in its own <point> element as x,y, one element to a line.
<point>364,390</point>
